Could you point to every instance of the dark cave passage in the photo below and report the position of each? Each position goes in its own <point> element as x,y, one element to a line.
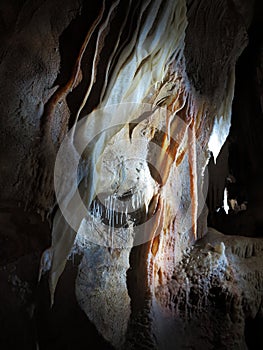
<point>239,164</point>
<point>253,333</point>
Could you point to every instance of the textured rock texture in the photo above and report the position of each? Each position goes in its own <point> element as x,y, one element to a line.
<point>215,289</point>
<point>148,87</point>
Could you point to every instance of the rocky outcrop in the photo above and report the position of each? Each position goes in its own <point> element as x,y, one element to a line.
<point>216,288</point>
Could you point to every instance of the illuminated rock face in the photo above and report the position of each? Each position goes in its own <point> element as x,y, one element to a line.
<point>148,94</point>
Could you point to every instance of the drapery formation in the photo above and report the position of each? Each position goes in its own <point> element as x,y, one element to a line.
<point>148,96</point>
<point>149,72</point>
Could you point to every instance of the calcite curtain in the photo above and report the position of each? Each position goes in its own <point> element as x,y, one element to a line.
<point>110,115</point>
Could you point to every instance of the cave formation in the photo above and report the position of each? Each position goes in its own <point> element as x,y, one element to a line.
<point>131,194</point>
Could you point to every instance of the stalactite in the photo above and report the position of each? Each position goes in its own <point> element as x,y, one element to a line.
<point>193,175</point>
<point>102,33</point>
<point>62,92</point>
